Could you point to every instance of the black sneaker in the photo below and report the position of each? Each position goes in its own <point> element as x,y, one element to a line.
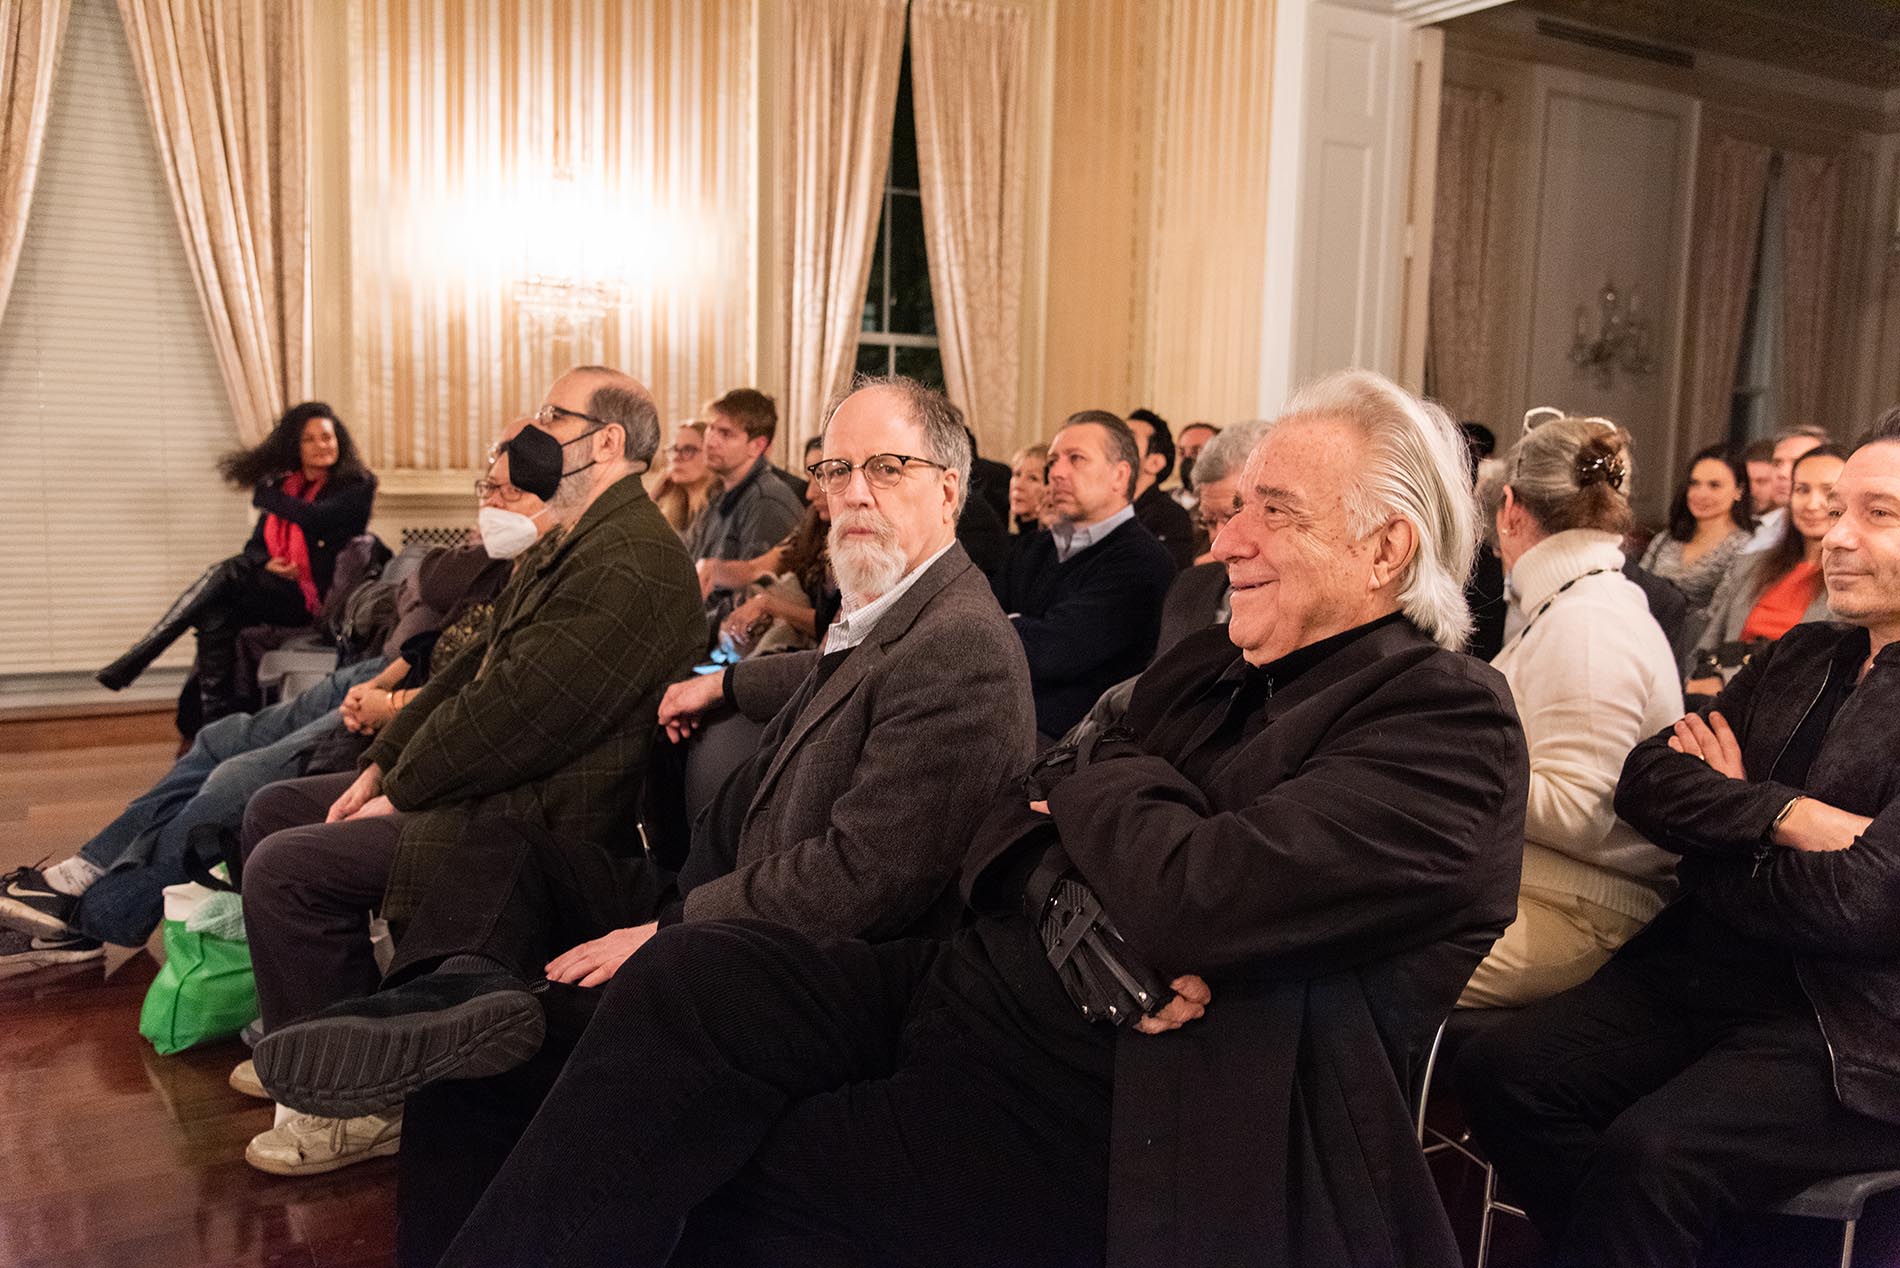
<point>29,904</point>
<point>23,953</point>
<point>365,1055</point>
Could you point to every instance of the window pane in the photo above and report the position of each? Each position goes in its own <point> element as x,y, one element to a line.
<point>922,364</point>
<point>911,313</point>
<point>904,132</point>
<point>874,315</point>
<point>872,359</point>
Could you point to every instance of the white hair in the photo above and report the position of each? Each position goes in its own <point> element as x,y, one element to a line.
<point>1416,470</point>
<point>1227,453</point>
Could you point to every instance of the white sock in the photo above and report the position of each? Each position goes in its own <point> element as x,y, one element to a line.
<point>73,877</point>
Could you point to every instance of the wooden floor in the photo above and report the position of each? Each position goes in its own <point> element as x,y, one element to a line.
<point>111,1155</point>
<point>115,1157</point>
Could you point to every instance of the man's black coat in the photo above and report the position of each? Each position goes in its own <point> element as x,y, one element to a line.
<point>1335,876</point>
<point>1838,912</point>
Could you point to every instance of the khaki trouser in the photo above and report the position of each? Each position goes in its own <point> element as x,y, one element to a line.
<point>1556,942</point>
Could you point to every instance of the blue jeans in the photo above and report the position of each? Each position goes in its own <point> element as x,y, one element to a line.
<point>143,849</point>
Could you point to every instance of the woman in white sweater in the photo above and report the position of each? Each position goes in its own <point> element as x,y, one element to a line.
<point>1592,674</point>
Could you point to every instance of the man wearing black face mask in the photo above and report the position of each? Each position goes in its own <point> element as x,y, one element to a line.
<point>546,718</point>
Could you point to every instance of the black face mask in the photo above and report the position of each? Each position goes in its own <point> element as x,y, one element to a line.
<point>535,461</point>
<point>1187,473</point>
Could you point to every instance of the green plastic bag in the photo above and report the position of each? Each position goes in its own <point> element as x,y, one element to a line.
<point>205,990</point>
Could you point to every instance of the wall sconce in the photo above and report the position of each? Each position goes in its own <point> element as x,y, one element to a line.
<point>1620,341</point>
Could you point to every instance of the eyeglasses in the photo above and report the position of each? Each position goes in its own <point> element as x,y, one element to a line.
<point>683,451</point>
<point>881,471</point>
<point>485,489</point>
<point>548,415</point>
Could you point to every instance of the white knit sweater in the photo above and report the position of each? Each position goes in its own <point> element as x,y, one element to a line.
<point>1592,675</point>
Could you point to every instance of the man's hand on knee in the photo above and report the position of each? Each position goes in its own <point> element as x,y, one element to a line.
<point>592,963</point>
<point>368,786</point>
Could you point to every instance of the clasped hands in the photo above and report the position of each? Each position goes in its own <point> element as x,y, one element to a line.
<point>1191,994</point>
<point>1809,825</point>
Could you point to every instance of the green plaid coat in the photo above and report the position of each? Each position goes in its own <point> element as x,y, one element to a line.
<point>548,715</point>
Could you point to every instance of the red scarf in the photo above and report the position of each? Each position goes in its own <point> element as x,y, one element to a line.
<point>285,540</point>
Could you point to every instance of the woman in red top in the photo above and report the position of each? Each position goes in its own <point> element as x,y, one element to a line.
<point>315,495</point>
<point>1769,594</point>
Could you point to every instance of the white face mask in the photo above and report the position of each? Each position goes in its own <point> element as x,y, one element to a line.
<point>506,534</point>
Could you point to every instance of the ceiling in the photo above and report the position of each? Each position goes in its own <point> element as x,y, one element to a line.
<point>1853,40</point>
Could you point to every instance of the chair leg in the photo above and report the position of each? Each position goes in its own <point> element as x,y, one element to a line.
<point>1847,1243</point>
<point>1486,1214</point>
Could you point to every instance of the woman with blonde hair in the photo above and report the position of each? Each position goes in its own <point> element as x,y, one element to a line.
<point>1028,485</point>
<point>685,483</point>
<point>1592,675</point>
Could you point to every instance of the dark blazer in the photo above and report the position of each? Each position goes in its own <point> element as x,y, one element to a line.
<point>858,825</point>
<point>548,715</point>
<point>1170,522</point>
<point>1838,912</point>
<point>1335,877</point>
<point>339,512</point>
<point>1192,602</point>
<point>989,483</point>
<point>1087,623</point>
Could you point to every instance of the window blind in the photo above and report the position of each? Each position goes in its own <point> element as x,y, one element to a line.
<point>112,414</point>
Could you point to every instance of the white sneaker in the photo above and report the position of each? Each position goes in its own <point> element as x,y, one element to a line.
<point>307,1145</point>
<point>244,1079</point>
<point>25,952</point>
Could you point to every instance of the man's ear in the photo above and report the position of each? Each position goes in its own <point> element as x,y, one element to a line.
<point>1393,549</point>
<point>952,482</point>
<point>1151,463</point>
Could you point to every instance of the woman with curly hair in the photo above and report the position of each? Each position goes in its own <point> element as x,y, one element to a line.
<point>315,495</point>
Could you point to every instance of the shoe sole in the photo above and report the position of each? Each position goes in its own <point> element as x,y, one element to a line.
<point>31,961</point>
<point>381,1149</point>
<point>247,1086</point>
<point>16,913</point>
<point>346,1067</point>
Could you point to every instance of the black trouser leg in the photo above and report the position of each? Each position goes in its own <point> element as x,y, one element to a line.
<point>309,887</point>
<point>519,895</point>
<point>456,1134</point>
<point>703,1039</point>
<point>1637,1112</point>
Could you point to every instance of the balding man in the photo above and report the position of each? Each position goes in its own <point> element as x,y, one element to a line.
<point>1301,842</point>
<point>546,718</point>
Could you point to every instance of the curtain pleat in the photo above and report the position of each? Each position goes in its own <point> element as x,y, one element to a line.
<point>969,79</point>
<point>223,80</point>
<point>1811,237</point>
<point>30,35</point>
<point>844,59</point>
<point>1729,201</point>
<point>537,185</point>
<point>1464,285</point>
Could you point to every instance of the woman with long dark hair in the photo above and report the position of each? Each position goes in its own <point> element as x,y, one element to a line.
<point>1710,525</point>
<point>1768,594</point>
<point>315,495</point>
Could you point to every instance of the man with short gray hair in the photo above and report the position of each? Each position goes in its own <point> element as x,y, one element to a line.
<point>1296,847</point>
<point>1198,597</point>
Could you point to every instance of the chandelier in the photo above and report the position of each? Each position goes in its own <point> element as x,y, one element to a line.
<point>1621,340</point>
<point>572,274</point>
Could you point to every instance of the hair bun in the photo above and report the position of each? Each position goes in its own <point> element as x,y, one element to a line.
<point>1597,464</point>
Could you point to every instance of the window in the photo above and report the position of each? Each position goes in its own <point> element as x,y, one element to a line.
<point>112,414</point>
<point>1755,409</point>
<point>898,334</point>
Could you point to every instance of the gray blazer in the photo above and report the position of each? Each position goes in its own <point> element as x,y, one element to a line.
<point>860,822</point>
<point>1734,599</point>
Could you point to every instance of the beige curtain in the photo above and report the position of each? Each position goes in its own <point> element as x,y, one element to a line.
<point>1463,286</point>
<point>224,82</point>
<point>843,59</point>
<point>538,185</point>
<point>1727,231</point>
<point>30,34</point>
<point>1811,237</point>
<point>969,77</point>
<point>1207,234</point>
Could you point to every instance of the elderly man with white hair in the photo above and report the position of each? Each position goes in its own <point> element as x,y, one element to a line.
<point>1208,951</point>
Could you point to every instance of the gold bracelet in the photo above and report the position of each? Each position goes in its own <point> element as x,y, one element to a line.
<point>1775,825</point>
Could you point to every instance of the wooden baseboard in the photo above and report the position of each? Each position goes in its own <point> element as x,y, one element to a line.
<point>35,731</point>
